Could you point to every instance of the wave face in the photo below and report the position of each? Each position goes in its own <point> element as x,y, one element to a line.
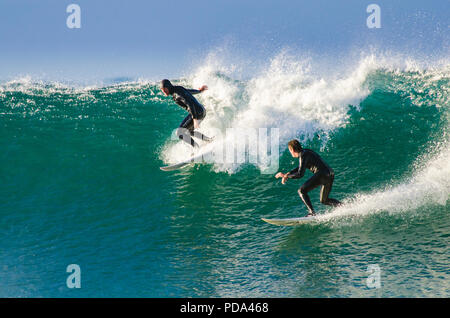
<point>81,183</point>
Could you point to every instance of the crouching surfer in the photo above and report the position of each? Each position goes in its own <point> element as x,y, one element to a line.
<point>185,99</point>
<point>323,175</point>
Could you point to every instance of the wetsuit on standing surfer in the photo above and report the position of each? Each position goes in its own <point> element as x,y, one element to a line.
<point>183,97</point>
<point>323,175</point>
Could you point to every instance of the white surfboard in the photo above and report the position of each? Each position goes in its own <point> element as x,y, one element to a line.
<point>196,158</point>
<point>175,166</point>
<point>291,221</point>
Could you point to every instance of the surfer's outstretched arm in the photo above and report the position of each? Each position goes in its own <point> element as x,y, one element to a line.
<point>282,175</point>
<point>298,172</point>
<point>295,173</point>
<point>197,91</point>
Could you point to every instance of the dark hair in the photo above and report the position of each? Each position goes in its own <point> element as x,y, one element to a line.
<point>295,145</point>
<point>165,83</point>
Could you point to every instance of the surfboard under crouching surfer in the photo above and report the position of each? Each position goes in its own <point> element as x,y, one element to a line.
<point>185,99</point>
<point>323,175</point>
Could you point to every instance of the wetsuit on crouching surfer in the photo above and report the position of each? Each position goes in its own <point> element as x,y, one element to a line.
<point>185,99</point>
<point>323,175</point>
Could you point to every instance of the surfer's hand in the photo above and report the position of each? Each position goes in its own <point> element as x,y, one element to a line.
<point>283,181</point>
<point>196,124</point>
<point>279,175</point>
<point>203,88</point>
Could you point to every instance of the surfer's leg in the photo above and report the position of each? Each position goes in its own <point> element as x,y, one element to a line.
<point>186,130</point>
<point>325,191</point>
<point>310,184</point>
<point>198,134</point>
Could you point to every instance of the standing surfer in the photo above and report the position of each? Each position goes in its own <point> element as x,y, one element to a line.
<point>323,175</point>
<point>183,97</point>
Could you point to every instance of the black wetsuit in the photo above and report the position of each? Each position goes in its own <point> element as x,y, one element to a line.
<point>323,175</point>
<point>185,99</point>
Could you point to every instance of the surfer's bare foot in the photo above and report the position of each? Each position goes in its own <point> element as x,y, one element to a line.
<point>311,214</point>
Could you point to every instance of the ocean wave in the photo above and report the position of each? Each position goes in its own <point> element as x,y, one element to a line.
<point>427,187</point>
<point>289,94</point>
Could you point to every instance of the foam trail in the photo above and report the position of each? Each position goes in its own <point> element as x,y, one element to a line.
<point>428,186</point>
<point>431,186</point>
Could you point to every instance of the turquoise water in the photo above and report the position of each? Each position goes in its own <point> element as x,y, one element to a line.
<point>81,184</point>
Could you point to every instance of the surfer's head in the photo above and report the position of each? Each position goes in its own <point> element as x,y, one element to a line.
<point>294,147</point>
<point>167,87</point>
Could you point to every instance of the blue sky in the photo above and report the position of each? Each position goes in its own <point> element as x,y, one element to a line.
<point>153,39</point>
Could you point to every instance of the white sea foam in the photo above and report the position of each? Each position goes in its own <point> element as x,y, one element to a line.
<point>284,95</point>
<point>289,94</point>
<point>429,186</point>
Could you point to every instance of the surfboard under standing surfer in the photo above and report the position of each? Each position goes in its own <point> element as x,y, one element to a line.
<point>323,175</point>
<point>185,99</point>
